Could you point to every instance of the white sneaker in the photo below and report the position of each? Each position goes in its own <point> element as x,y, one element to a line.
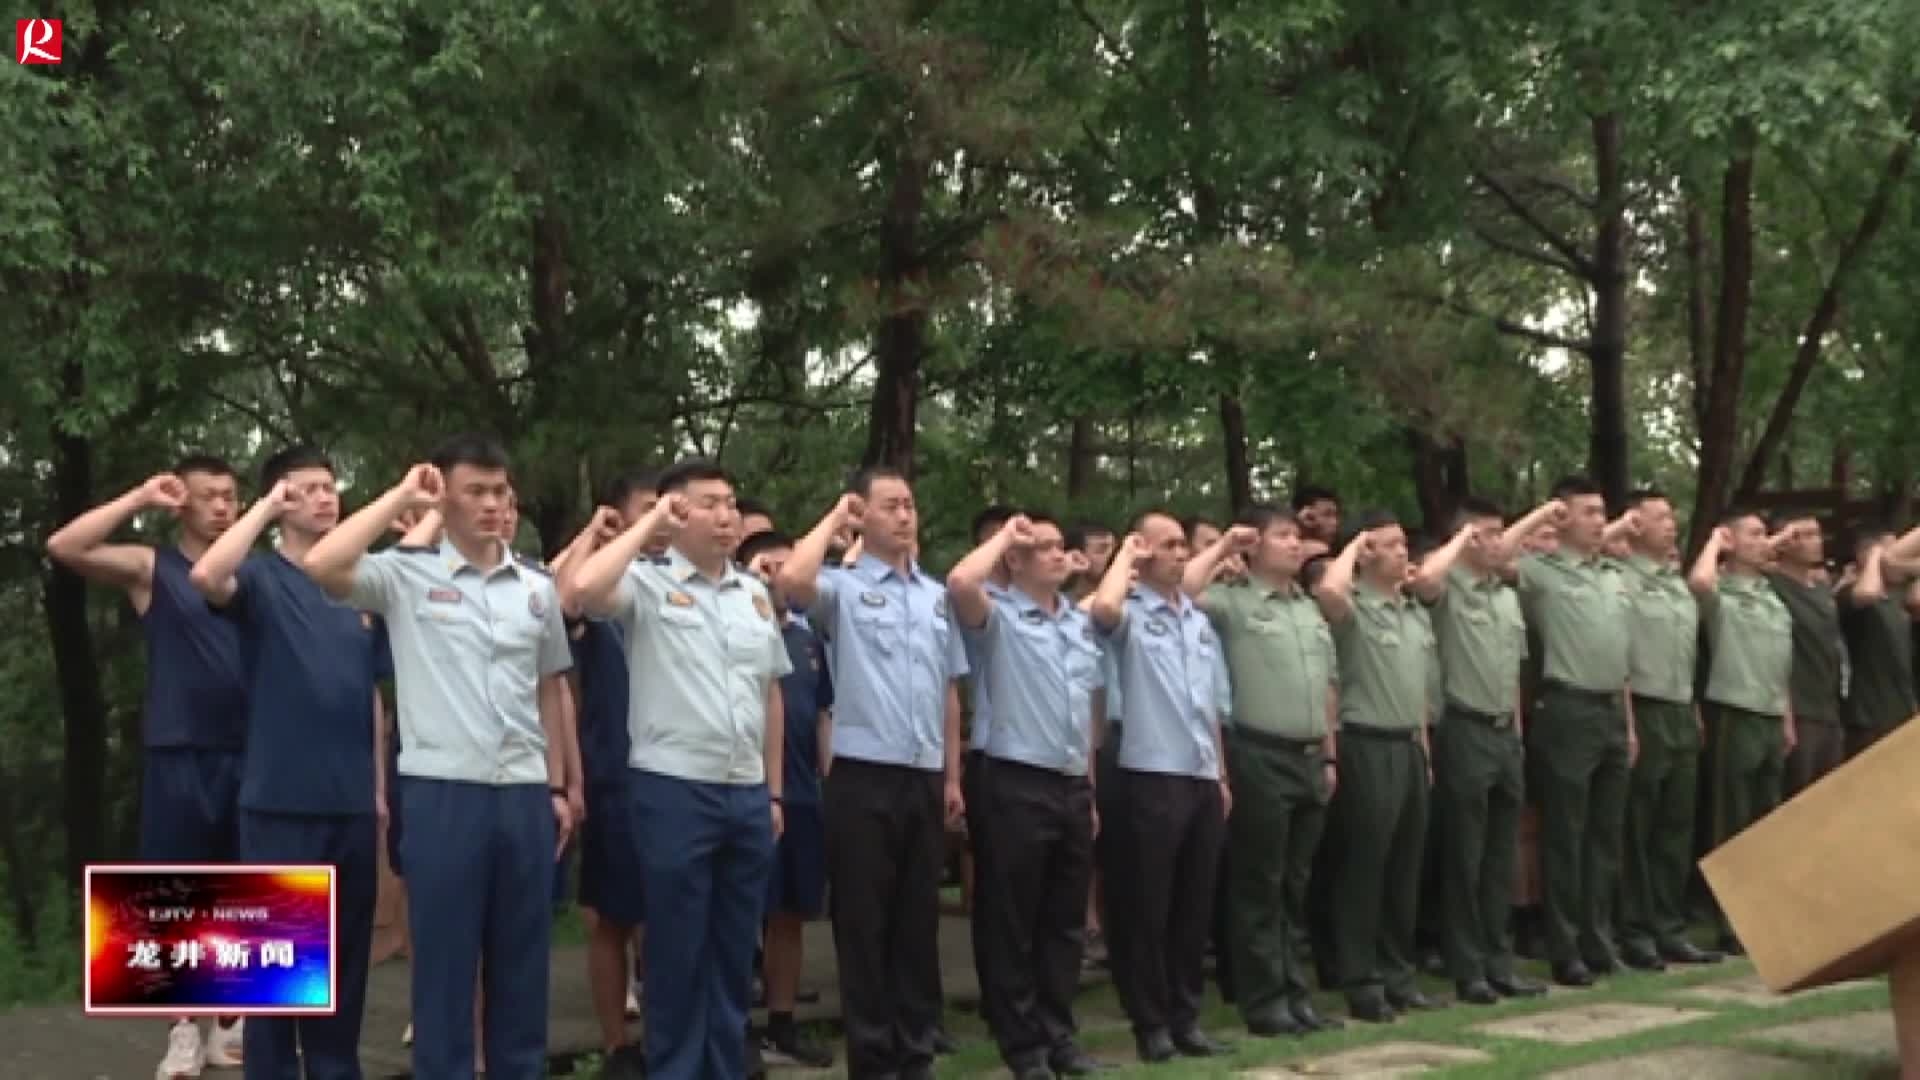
<point>186,1055</point>
<point>633,1005</point>
<point>225,1049</point>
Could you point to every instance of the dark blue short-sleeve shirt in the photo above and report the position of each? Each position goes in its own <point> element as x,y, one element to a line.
<point>600,660</point>
<point>806,692</point>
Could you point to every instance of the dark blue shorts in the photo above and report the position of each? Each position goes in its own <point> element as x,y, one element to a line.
<point>798,884</point>
<point>563,876</point>
<point>190,805</point>
<point>610,857</point>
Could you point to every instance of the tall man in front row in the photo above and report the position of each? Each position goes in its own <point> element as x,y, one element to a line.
<point>316,750</point>
<point>1174,799</point>
<point>705,658</point>
<point>479,653</point>
<point>1037,657</point>
<point>896,658</point>
<point>194,719</point>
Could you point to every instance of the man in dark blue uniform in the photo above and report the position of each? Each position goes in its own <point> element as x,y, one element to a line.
<point>195,714</point>
<point>797,889</point>
<point>314,735</point>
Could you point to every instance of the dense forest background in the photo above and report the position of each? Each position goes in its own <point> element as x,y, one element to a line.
<point>1085,253</point>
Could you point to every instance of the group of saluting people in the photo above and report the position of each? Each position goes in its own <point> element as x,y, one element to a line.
<point>1179,734</point>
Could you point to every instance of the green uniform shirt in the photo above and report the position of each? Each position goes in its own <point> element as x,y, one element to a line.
<point>1580,607</point>
<point>1482,641</point>
<point>1880,639</point>
<point>1384,648</point>
<point>1279,655</point>
<point>1751,635</point>
<point>1818,652</point>
<point>1664,630</point>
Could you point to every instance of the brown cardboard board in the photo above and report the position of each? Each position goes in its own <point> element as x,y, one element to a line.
<point>1827,887</point>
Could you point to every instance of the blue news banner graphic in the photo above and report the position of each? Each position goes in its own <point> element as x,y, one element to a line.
<point>233,940</point>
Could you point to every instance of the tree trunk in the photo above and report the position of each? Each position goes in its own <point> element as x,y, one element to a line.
<point>1080,458</point>
<point>1699,312</point>
<point>900,341</point>
<point>1721,430</point>
<point>82,705</point>
<point>1607,452</point>
<point>1440,479</point>
<point>1233,434</point>
<point>24,878</point>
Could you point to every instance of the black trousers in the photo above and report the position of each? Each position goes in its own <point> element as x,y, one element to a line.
<point>1034,906</point>
<point>973,769</point>
<point>885,839</point>
<point>1164,846</point>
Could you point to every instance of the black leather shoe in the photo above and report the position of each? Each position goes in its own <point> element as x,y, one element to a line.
<point>1154,1047</point>
<point>1273,1023</point>
<point>1575,975</point>
<point>629,1063</point>
<point>1686,952</point>
<point>1073,1061</point>
<point>1033,1072</point>
<point>1476,993</point>
<point>1731,946</point>
<point>1311,1019</point>
<point>1603,963</point>
<point>1517,986</point>
<point>1411,1001</point>
<point>942,1043</point>
<point>1196,1043</point>
<point>1371,1011</point>
<point>1643,959</point>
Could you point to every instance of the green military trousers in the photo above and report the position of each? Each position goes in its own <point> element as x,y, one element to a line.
<point>1279,811</point>
<point>1380,822</point>
<point>1577,756</point>
<point>1660,807</point>
<point>1749,761</point>
<point>1478,789</point>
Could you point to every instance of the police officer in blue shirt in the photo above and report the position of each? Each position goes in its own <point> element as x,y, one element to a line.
<point>610,872</point>
<point>705,657</point>
<point>896,658</point>
<point>1174,797</point>
<point>1036,654</point>
<point>479,653</point>
<point>315,741</point>
<point>194,718</point>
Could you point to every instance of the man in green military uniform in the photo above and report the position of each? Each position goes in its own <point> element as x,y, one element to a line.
<point>1750,636</point>
<point>1380,812</point>
<point>1664,622</point>
<point>1878,622</point>
<point>1478,763</point>
<point>1819,652</point>
<point>1580,744</point>
<point>1280,657</point>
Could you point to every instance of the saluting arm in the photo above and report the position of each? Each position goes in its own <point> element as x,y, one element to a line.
<point>1334,593</point>
<point>332,561</point>
<point>214,574</point>
<point>81,544</point>
<point>594,588</point>
<point>799,577</point>
<point>1430,580</point>
<point>967,581</point>
<point>1518,532</point>
<point>1871,586</point>
<point>1704,578</point>
<point>1108,602</point>
<point>601,528</point>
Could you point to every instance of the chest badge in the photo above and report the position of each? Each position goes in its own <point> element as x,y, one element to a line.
<point>537,605</point>
<point>940,606</point>
<point>443,596</point>
<point>764,609</point>
<point>1157,628</point>
<point>1206,637</point>
<point>679,599</point>
<point>873,599</point>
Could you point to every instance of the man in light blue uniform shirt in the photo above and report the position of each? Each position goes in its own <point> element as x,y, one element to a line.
<point>1036,655</point>
<point>704,657</point>
<point>896,658</point>
<point>1174,799</point>
<point>980,725</point>
<point>479,653</point>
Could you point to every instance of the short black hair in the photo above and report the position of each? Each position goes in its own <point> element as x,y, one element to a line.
<point>204,464</point>
<point>1308,494</point>
<point>1367,522</point>
<point>687,471</point>
<point>989,519</point>
<point>764,540</point>
<point>1575,485</point>
<point>1263,516</point>
<point>1645,495</point>
<point>1042,517</point>
<point>285,461</point>
<point>1473,507</point>
<point>474,451</point>
<point>1780,519</point>
<point>1192,522</point>
<point>1867,532</point>
<point>1737,513</point>
<point>1089,529</point>
<point>1140,518</point>
<point>628,484</point>
<point>861,482</point>
<point>753,506</point>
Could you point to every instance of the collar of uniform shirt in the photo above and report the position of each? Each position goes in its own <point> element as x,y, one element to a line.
<point>1062,608</point>
<point>457,562</point>
<point>1394,596</point>
<point>682,570</point>
<point>872,569</point>
<point>1155,599</point>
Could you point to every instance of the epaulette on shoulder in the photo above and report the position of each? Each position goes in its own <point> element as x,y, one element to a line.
<point>660,560</point>
<point>533,564</point>
<point>417,549</point>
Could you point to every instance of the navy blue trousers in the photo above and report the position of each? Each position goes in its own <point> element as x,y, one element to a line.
<point>331,1044</point>
<point>190,805</point>
<point>705,861</point>
<point>479,862</point>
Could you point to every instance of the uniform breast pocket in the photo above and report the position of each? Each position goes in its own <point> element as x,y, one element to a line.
<point>747,643</point>
<point>447,629</point>
<point>877,632</point>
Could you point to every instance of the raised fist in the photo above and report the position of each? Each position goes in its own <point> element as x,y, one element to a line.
<point>1137,547</point>
<point>852,509</point>
<point>675,511</point>
<point>424,487</point>
<point>164,490</point>
<point>606,524</point>
<point>1019,530</point>
<point>1242,538</point>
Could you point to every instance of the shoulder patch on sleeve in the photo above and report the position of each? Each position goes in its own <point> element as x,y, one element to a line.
<point>532,564</point>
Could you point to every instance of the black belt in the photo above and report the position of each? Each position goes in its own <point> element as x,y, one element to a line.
<point>1381,734</point>
<point>1277,742</point>
<point>1497,721</point>
<point>1551,687</point>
